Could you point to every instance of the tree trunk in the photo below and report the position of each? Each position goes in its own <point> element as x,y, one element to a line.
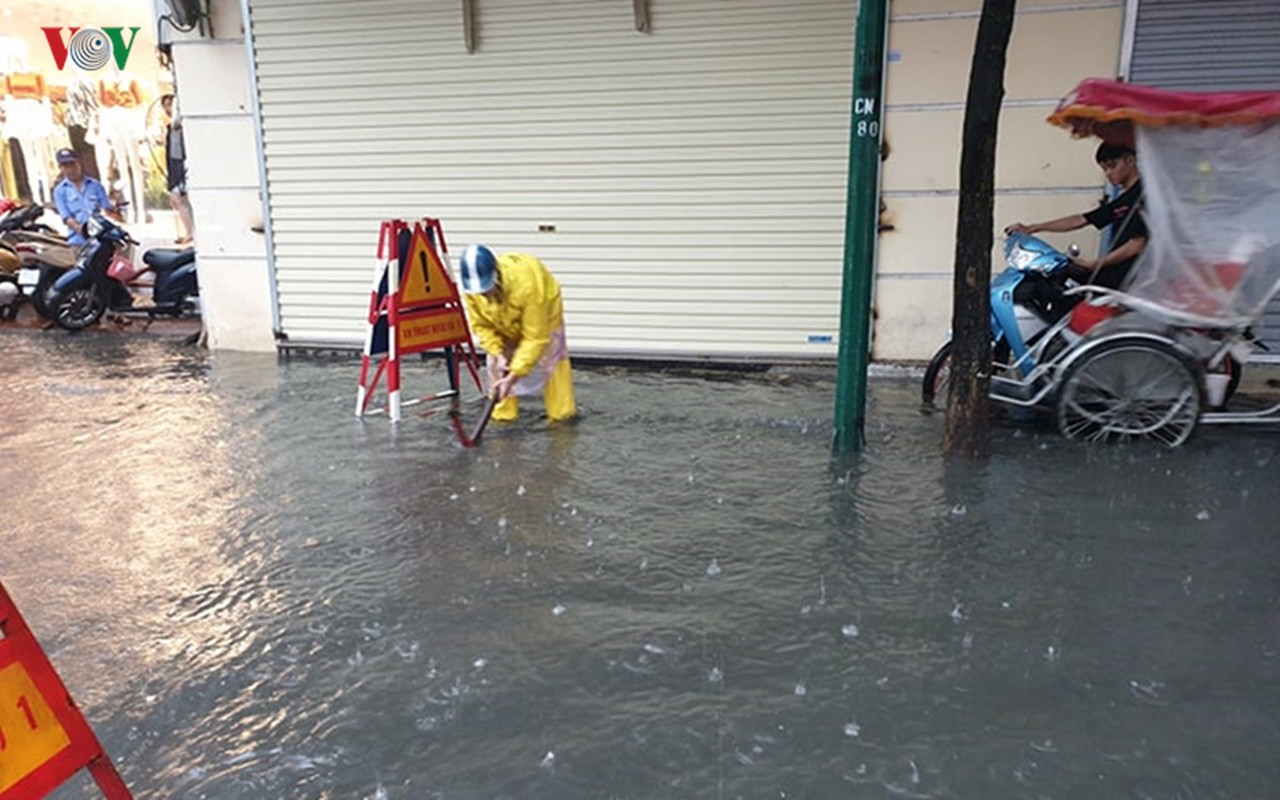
<point>968,431</point>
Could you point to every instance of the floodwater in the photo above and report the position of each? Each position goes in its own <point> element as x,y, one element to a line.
<point>686,595</point>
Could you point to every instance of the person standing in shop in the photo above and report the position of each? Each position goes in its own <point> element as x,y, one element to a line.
<point>175,150</point>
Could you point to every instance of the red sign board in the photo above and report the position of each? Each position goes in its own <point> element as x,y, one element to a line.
<point>44,739</point>
<point>431,329</point>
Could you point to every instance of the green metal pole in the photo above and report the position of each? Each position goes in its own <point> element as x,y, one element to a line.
<point>862,217</point>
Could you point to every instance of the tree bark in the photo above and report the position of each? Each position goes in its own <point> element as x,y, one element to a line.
<point>968,429</point>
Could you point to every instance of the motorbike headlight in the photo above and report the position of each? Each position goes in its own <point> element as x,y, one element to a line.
<point>1021,259</point>
<point>94,227</point>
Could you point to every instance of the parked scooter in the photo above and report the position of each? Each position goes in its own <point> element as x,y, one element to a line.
<point>32,255</point>
<point>99,282</point>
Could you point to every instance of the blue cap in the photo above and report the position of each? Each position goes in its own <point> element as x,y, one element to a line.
<point>479,268</point>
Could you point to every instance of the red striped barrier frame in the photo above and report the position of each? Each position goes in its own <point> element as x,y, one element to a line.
<point>386,301</point>
<point>44,739</point>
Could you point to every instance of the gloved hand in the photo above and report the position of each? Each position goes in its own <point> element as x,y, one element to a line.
<point>505,385</point>
<point>497,366</point>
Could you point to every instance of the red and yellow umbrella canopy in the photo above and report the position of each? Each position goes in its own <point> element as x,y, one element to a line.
<point>1109,109</point>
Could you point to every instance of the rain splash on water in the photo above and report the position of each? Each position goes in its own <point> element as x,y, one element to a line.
<point>686,595</point>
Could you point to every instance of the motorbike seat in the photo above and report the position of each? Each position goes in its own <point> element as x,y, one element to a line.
<point>168,259</point>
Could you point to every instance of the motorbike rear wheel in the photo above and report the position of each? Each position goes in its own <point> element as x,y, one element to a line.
<point>79,308</point>
<point>937,376</point>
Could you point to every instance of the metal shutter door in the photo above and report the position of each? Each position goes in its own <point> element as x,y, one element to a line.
<point>687,186</point>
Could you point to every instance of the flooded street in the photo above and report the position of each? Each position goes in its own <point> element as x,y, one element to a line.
<point>253,595</point>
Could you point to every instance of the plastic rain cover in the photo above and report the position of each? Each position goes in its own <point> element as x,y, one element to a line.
<point>1213,209</point>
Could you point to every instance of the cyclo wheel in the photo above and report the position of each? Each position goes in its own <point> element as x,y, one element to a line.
<point>1130,390</point>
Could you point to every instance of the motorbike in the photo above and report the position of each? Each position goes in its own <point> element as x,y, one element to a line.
<point>1027,298</point>
<point>100,280</point>
<point>32,255</point>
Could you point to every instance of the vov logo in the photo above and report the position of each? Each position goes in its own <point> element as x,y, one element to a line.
<point>90,48</point>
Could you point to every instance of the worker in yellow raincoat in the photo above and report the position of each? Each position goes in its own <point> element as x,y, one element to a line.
<point>516,312</point>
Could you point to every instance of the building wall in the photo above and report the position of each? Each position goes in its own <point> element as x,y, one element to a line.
<point>713,224</point>
<point>1041,172</point>
<point>213,87</point>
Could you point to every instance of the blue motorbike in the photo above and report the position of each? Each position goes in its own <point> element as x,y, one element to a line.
<point>1027,298</point>
<point>100,281</point>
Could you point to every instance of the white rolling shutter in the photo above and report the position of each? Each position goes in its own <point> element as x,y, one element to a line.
<point>686,186</point>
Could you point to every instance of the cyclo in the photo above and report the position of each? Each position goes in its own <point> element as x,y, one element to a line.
<point>1157,358</point>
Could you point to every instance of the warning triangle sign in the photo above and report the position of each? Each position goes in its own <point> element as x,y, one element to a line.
<point>424,280</point>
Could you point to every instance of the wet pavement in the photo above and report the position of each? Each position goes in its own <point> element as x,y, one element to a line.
<point>251,594</point>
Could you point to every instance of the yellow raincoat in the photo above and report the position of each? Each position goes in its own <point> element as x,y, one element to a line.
<point>525,322</point>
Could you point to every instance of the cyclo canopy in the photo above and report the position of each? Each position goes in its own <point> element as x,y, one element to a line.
<point>1210,166</point>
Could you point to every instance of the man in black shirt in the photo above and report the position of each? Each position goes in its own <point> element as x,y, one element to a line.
<point>1128,229</point>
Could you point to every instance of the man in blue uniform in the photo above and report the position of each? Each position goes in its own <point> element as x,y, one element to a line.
<point>77,196</point>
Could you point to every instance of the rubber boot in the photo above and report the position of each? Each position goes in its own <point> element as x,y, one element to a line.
<point>558,393</point>
<point>507,409</point>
